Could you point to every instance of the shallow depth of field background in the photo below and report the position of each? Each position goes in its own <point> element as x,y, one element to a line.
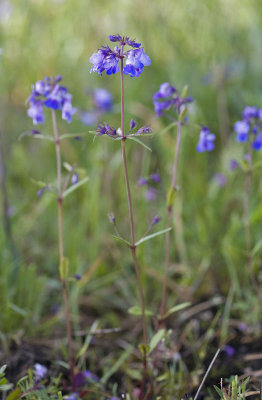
<point>213,46</point>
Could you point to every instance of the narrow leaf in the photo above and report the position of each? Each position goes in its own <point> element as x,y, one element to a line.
<point>109,372</point>
<point>138,311</point>
<point>139,141</point>
<point>122,240</point>
<point>63,268</point>
<point>153,235</point>
<point>156,339</point>
<point>72,135</point>
<point>74,187</point>
<point>175,309</point>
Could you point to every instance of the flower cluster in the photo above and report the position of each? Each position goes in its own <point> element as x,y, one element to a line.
<point>106,129</point>
<point>51,94</point>
<point>106,59</point>
<point>168,98</point>
<point>102,101</point>
<point>206,140</point>
<point>251,123</point>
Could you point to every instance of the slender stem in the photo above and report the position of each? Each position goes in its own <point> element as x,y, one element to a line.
<point>247,225</point>
<point>60,241</point>
<point>130,207</point>
<point>168,219</point>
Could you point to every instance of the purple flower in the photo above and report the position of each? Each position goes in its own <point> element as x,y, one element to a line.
<point>168,97</point>
<point>90,376</point>
<point>249,113</point>
<point>142,181</point>
<point>166,90</point>
<point>105,129</point>
<point>233,164</point>
<point>106,59</point>
<point>132,124</point>
<point>150,194</point>
<point>73,396</point>
<point>260,114</point>
<point>103,99</point>
<point>36,112</point>
<point>241,128</point>
<point>220,179</point>
<point>135,62</point>
<point>229,350</point>
<point>40,371</point>
<point>155,177</point>
<point>257,144</point>
<point>144,129</point>
<point>155,220</point>
<point>89,118</point>
<point>51,95</point>
<point>74,178</point>
<point>112,218</point>
<point>124,40</point>
<point>41,191</point>
<point>206,140</point>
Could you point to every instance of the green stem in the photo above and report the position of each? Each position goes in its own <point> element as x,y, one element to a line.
<point>60,241</point>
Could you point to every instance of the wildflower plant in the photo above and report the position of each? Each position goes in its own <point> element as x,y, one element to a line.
<point>50,94</point>
<point>249,134</point>
<point>170,103</point>
<point>128,58</point>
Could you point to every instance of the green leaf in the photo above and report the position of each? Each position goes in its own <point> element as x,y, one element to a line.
<point>171,197</point>
<point>156,339</point>
<point>140,142</point>
<point>182,115</point>
<point>74,187</point>
<point>257,247</point>
<point>109,372</point>
<point>144,348</point>
<point>41,184</point>
<point>6,386</point>
<point>63,268</point>
<point>174,309</point>
<point>15,394</point>
<point>67,166</point>
<point>122,240</point>
<point>72,135</point>
<point>37,136</point>
<point>184,91</point>
<point>153,235</point>
<point>136,310</point>
<point>17,309</point>
<point>2,369</point>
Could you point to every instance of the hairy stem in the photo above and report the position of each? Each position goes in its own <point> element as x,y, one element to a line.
<point>60,241</point>
<point>168,219</point>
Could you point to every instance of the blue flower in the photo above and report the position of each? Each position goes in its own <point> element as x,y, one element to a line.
<point>105,129</point>
<point>132,124</point>
<point>168,97</point>
<point>206,140</point>
<point>233,164</point>
<point>155,220</point>
<point>257,144</point>
<point>250,112</point>
<point>40,371</point>
<point>135,62</point>
<point>74,178</point>
<point>106,59</point>
<point>50,94</point>
<point>242,129</point>
<point>103,99</point>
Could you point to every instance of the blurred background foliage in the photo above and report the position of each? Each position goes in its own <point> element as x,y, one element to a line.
<point>213,46</point>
